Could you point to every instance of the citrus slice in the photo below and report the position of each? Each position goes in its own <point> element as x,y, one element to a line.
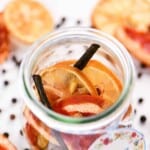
<point>138,43</point>
<point>107,19</point>
<point>38,126</point>
<point>79,106</point>
<point>105,81</point>
<point>108,15</point>
<point>27,20</point>
<point>35,139</point>
<point>5,144</point>
<point>68,80</point>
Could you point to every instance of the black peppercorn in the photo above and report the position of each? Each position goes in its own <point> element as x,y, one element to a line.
<point>143,119</point>
<point>12,116</point>
<point>139,75</point>
<point>6,134</point>
<point>6,83</point>
<point>14,100</point>
<point>140,100</point>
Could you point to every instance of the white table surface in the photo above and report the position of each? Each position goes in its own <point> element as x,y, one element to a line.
<point>73,10</point>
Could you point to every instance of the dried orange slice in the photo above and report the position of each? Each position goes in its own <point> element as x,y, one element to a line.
<point>67,80</point>
<point>79,105</point>
<point>108,15</point>
<point>27,20</point>
<point>39,127</point>
<point>138,43</point>
<point>130,28</point>
<point>5,144</point>
<point>104,80</point>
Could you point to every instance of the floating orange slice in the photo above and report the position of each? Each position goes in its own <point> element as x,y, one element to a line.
<point>67,80</point>
<point>27,20</point>
<point>95,75</point>
<point>104,80</point>
<point>79,105</point>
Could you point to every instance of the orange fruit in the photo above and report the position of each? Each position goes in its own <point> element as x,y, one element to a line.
<point>27,20</point>
<point>66,80</point>
<point>104,80</point>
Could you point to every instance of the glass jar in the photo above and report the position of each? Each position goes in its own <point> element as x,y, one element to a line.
<point>71,43</point>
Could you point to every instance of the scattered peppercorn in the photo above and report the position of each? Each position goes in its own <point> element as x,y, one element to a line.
<point>135,111</point>
<point>14,100</point>
<point>70,51</point>
<point>17,62</point>
<point>6,134</point>
<point>57,26</point>
<point>78,22</point>
<point>143,119</point>
<point>62,21</point>
<point>6,83</point>
<point>14,58</point>
<point>140,100</point>
<point>3,71</point>
<point>21,132</point>
<point>139,75</point>
<point>12,116</point>
<point>0,110</point>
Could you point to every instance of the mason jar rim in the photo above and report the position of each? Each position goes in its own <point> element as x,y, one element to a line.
<point>65,123</point>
